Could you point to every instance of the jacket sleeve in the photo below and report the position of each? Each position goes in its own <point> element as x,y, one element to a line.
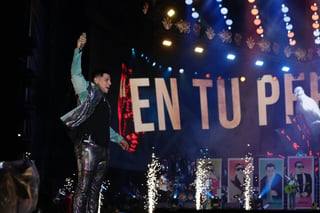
<point>79,83</point>
<point>115,137</point>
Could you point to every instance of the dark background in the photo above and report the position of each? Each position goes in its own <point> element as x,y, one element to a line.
<point>46,34</point>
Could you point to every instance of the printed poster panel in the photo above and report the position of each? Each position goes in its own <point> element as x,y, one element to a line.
<point>210,181</point>
<point>236,179</point>
<point>301,169</point>
<point>271,182</point>
<point>212,168</point>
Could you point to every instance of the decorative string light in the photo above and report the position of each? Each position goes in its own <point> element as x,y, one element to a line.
<point>256,21</point>
<point>289,26</point>
<point>152,184</point>
<point>315,25</point>
<point>224,11</point>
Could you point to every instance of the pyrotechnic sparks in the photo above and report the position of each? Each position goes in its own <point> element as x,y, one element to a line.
<point>248,171</point>
<point>200,184</point>
<point>152,183</point>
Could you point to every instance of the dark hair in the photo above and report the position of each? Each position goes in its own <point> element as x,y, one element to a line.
<point>297,162</point>
<point>270,165</point>
<point>98,72</point>
<point>238,164</point>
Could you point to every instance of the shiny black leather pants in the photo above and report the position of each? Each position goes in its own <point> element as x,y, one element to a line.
<point>91,162</point>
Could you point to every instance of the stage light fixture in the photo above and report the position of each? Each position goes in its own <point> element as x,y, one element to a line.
<point>181,70</point>
<point>167,43</point>
<point>285,69</point>
<point>231,56</point>
<point>242,79</point>
<point>259,63</point>
<point>198,49</point>
<point>171,12</point>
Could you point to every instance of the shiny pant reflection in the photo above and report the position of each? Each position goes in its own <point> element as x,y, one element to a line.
<point>92,163</point>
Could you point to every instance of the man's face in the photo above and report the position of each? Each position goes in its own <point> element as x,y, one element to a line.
<point>270,171</point>
<point>299,168</point>
<point>103,82</point>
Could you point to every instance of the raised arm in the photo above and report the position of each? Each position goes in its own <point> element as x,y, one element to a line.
<point>79,83</point>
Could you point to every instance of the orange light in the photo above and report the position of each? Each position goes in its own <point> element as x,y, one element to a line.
<point>290,34</point>
<point>251,1</point>
<point>254,11</point>
<point>260,30</point>
<point>292,42</point>
<point>314,7</point>
<point>315,25</point>
<point>257,21</point>
<point>315,16</point>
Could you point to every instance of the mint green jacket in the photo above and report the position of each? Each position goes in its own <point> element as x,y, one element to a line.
<point>81,88</point>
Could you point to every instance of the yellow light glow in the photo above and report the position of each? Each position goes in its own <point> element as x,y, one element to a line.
<point>171,12</point>
<point>198,49</point>
<point>167,43</point>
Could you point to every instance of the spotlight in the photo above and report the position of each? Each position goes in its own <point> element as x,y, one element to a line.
<point>198,49</point>
<point>167,43</point>
<point>259,63</point>
<point>171,12</point>
<point>285,69</point>
<point>231,56</point>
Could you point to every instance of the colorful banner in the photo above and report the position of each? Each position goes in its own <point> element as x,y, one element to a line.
<point>271,182</point>
<point>302,170</point>
<point>236,180</point>
<point>209,171</point>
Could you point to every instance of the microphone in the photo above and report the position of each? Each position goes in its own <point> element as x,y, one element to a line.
<point>82,45</point>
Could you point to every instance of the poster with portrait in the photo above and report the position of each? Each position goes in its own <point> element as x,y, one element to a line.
<point>271,182</point>
<point>301,169</point>
<point>212,175</point>
<point>236,179</point>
